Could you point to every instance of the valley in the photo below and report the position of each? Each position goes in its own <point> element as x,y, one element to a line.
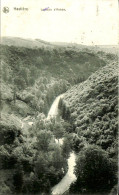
<point>59,111</point>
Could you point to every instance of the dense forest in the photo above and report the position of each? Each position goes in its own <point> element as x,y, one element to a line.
<point>30,74</point>
<point>92,109</point>
<point>31,161</point>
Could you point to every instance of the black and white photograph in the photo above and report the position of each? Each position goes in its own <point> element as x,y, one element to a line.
<point>59,97</point>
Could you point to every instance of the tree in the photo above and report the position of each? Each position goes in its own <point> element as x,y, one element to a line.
<point>44,138</point>
<point>66,147</point>
<point>41,164</point>
<point>24,73</point>
<point>58,159</point>
<point>95,171</point>
<point>18,178</point>
<point>20,82</point>
<point>5,72</point>
<point>58,130</point>
<point>78,143</point>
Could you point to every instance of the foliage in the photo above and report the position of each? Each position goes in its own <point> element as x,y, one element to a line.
<point>92,108</point>
<point>43,73</point>
<point>31,79</point>
<point>9,130</point>
<point>67,145</point>
<point>95,171</point>
<point>44,138</point>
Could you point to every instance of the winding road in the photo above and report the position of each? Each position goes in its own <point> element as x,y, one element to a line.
<point>70,177</point>
<point>53,112</point>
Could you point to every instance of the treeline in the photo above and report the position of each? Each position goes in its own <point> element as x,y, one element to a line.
<point>47,69</point>
<point>34,163</point>
<point>30,81</point>
<point>92,109</point>
<point>43,93</point>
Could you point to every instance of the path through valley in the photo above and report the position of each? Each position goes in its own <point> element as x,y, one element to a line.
<point>70,177</point>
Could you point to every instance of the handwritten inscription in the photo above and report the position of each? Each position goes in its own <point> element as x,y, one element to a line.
<point>45,8</point>
<point>20,9</point>
<point>55,9</point>
<point>6,9</point>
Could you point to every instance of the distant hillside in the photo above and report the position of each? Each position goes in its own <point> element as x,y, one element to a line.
<point>33,70</point>
<point>33,74</point>
<point>92,107</point>
<point>107,48</point>
<point>38,43</point>
<point>21,42</point>
<point>114,49</point>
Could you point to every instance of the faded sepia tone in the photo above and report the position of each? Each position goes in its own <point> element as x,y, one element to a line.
<point>59,97</point>
<point>84,21</point>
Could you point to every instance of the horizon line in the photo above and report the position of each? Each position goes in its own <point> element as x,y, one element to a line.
<point>31,38</point>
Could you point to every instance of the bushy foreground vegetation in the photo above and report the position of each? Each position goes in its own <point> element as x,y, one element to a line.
<point>33,165</point>
<point>31,161</point>
<point>96,172</point>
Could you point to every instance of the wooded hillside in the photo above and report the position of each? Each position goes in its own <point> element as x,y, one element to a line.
<point>33,74</point>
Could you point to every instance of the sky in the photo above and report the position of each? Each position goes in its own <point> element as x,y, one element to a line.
<point>88,22</point>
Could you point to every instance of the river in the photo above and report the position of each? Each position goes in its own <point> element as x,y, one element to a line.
<point>70,177</point>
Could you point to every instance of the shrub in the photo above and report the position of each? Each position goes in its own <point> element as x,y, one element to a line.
<point>95,171</point>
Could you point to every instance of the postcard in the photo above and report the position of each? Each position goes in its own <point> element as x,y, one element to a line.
<point>59,97</point>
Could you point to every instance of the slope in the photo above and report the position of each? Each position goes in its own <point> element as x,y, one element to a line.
<point>31,73</point>
<point>92,108</point>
